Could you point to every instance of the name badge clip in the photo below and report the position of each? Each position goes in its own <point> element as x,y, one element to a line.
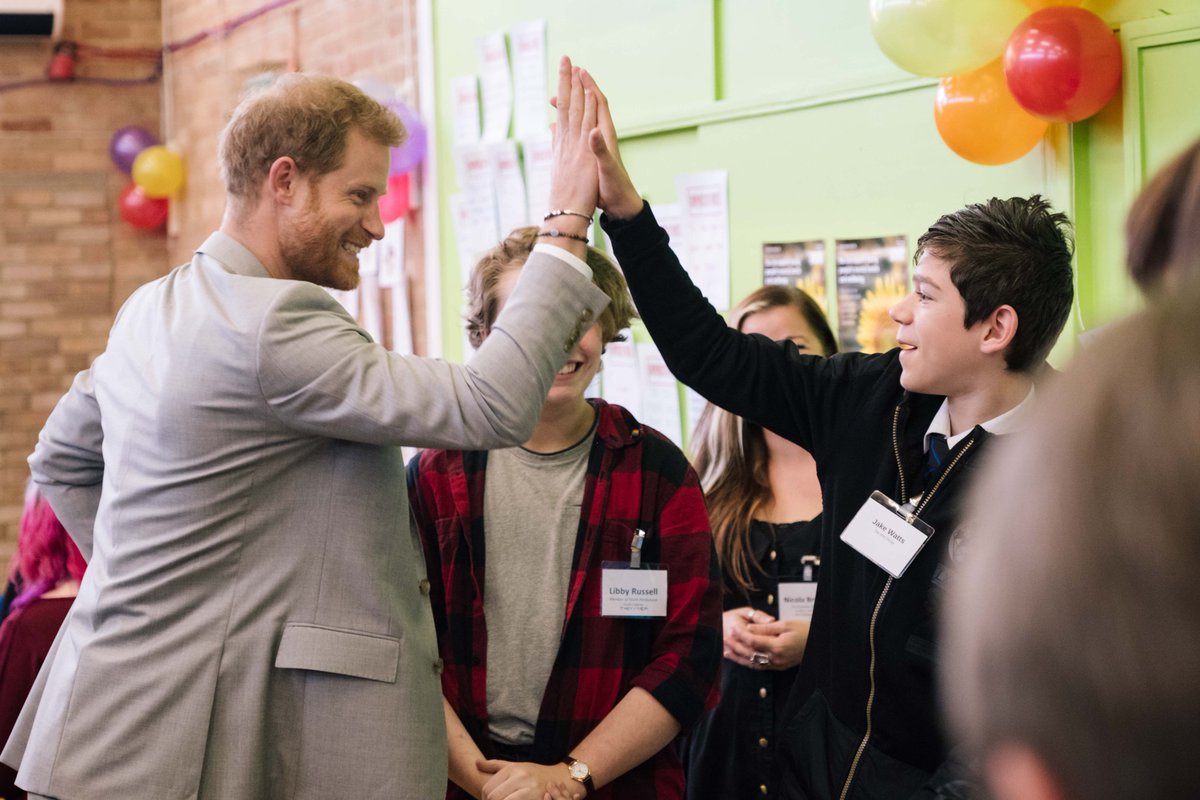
<point>635,549</point>
<point>809,565</point>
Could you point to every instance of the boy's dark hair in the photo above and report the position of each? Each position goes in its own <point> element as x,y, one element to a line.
<point>1016,252</point>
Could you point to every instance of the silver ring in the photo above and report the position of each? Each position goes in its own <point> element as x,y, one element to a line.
<point>762,659</point>
<point>750,615</point>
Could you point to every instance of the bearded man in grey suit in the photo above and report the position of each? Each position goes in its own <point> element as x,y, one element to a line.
<point>254,622</point>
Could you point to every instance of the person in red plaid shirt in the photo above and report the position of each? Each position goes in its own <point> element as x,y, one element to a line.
<point>547,695</point>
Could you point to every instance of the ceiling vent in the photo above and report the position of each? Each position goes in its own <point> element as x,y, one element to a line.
<point>34,19</point>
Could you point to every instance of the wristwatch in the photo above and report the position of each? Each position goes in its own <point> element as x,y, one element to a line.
<point>580,772</point>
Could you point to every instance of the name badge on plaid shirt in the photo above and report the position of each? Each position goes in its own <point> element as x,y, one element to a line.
<point>635,593</point>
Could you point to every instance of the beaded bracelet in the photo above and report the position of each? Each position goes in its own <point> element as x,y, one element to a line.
<point>555,233</point>
<point>566,212</point>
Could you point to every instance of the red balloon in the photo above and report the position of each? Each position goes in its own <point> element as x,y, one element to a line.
<point>394,204</point>
<point>146,213</point>
<point>1063,64</point>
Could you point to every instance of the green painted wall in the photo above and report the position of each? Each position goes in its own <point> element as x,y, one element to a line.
<point>822,136</point>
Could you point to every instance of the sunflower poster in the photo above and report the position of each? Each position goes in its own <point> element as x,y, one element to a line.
<point>872,276</point>
<point>799,264</point>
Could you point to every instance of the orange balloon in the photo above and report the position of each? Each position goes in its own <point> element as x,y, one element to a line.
<point>1038,5</point>
<point>979,119</point>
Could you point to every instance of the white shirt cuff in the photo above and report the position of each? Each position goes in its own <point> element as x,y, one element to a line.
<point>566,257</point>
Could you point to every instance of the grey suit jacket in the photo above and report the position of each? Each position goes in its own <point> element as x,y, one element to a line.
<point>254,620</point>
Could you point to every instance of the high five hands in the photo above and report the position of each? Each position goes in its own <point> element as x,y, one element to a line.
<point>574,177</point>
<point>586,151</point>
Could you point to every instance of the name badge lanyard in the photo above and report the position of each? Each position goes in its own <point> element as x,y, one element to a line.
<point>915,512</point>
<point>912,509</point>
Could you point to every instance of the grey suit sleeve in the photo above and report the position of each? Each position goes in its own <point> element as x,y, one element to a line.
<point>68,464</point>
<point>321,374</point>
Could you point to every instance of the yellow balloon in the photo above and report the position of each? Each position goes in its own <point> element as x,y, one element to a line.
<point>944,37</point>
<point>979,118</point>
<point>159,171</point>
<point>1038,5</point>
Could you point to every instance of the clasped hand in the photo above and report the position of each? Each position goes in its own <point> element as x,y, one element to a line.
<point>757,640</point>
<point>524,780</point>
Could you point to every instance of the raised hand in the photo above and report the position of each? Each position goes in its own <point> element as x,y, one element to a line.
<point>617,195</point>
<point>574,177</point>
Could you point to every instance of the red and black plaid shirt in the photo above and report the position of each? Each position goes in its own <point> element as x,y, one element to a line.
<point>636,478</point>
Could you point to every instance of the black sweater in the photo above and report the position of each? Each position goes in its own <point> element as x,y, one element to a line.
<point>865,432</point>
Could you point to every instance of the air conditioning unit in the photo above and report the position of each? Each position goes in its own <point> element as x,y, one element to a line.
<point>39,19</point>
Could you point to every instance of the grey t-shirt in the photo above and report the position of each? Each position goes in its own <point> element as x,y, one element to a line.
<point>531,519</point>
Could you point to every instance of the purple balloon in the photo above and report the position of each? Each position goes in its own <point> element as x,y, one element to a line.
<point>127,143</point>
<point>407,156</point>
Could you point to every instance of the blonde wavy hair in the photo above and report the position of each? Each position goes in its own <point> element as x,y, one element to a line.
<point>483,299</point>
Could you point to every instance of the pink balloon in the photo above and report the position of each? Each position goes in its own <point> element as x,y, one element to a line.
<point>394,204</point>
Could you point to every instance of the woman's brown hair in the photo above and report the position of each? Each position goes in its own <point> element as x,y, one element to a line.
<point>730,454</point>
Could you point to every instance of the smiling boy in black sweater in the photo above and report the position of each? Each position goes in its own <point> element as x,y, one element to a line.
<point>992,291</point>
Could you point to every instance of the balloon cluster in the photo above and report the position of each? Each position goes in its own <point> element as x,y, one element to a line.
<point>157,173</point>
<point>1006,73</point>
<point>405,158</point>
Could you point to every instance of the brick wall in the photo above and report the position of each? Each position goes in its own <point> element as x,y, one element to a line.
<point>66,260</point>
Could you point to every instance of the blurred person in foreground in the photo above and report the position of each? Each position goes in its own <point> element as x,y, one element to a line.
<point>1162,231</point>
<point>1071,655</point>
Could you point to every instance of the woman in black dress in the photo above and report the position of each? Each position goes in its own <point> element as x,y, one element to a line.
<point>763,499</point>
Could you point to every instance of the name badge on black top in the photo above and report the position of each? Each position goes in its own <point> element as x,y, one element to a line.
<point>798,594</point>
<point>886,535</point>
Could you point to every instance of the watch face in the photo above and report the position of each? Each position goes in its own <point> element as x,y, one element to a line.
<point>580,771</point>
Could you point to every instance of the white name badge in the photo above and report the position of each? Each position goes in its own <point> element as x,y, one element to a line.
<point>629,592</point>
<point>885,535</point>
<point>796,599</point>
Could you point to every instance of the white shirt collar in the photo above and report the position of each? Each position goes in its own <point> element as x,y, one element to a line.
<point>565,256</point>
<point>1010,421</point>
